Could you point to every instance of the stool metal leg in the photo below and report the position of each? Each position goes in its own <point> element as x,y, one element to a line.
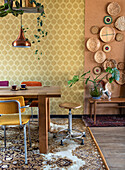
<point>70,134</point>
<point>32,113</point>
<point>70,121</point>
<point>4,136</point>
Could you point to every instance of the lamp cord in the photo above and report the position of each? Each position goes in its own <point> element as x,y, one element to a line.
<point>21,21</point>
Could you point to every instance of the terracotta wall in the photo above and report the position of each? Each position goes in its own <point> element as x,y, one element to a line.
<point>95,11</point>
<point>62,50</point>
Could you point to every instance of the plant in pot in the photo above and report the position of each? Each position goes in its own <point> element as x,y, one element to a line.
<point>96,90</point>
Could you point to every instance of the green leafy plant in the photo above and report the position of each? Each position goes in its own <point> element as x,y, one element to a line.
<point>40,33</point>
<point>8,8</point>
<point>96,81</point>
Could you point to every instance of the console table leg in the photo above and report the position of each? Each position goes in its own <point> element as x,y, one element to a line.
<point>90,110</point>
<point>95,103</point>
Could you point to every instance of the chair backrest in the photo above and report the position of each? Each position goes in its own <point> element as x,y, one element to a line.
<point>4,83</point>
<point>11,107</point>
<point>32,83</point>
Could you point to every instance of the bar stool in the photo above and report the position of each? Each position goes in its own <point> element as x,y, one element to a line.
<point>70,134</point>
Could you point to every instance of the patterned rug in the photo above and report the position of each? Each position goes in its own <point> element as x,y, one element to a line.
<point>71,156</point>
<point>105,121</point>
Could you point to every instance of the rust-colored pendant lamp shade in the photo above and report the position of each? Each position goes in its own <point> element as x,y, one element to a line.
<point>21,40</point>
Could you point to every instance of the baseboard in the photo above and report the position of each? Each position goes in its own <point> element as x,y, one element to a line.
<point>65,116</point>
<point>60,116</point>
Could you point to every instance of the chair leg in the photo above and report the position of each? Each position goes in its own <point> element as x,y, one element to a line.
<point>32,113</point>
<point>29,134</point>
<point>25,145</point>
<point>38,116</point>
<point>4,136</point>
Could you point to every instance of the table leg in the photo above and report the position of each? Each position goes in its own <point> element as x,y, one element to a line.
<point>43,124</point>
<point>48,112</point>
<point>95,103</point>
<point>90,109</point>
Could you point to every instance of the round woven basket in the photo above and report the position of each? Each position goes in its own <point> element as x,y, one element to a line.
<point>106,48</point>
<point>120,23</point>
<point>93,44</point>
<point>107,34</point>
<point>99,56</point>
<point>97,70</point>
<point>121,66</point>
<point>94,29</point>
<point>122,78</point>
<point>113,8</point>
<point>119,37</point>
<point>109,63</point>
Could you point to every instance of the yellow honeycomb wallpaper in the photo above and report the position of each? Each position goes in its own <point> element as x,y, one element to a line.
<point>62,50</point>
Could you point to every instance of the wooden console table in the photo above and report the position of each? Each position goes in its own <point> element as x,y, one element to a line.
<point>104,101</point>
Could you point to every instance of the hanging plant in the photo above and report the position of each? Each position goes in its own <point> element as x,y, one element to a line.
<point>8,8</point>
<point>40,32</point>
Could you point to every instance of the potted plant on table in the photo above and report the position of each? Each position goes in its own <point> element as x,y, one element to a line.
<point>96,90</point>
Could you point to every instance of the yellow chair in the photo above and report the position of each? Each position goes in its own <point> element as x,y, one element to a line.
<point>11,109</point>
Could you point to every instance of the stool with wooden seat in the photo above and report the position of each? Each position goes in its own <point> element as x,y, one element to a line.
<point>70,134</point>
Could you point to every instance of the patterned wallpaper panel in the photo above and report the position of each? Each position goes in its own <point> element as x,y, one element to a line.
<point>62,50</point>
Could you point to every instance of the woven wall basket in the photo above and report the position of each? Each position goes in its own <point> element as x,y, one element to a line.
<point>93,44</point>
<point>120,23</point>
<point>113,8</point>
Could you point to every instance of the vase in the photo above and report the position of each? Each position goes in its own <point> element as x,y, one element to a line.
<point>96,90</point>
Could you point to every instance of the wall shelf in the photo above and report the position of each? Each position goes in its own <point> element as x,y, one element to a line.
<point>30,9</point>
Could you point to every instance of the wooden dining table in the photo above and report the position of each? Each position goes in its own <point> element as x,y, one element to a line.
<point>42,94</point>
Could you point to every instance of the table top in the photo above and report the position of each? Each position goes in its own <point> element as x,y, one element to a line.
<point>112,100</point>
<point>49,91</point>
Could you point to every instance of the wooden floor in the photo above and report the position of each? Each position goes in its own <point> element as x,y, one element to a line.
<point>111,141</point>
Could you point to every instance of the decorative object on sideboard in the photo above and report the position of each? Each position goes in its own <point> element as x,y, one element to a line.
<point>119,37</point>
<point>99,57</point>
<point>107,20</point>
<point>97,70</point>
<point>120,23</point>
<point>21,41</point>
<point>93,44</point>
<point>94,29</point>
<point>109,63</point>
<point>113,8</point>
<point>107,34</point>
<point>121,66</point>
<point>110,86</point>
<point>106,48</point>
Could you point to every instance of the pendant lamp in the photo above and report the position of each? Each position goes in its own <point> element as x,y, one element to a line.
<point>21,40</point>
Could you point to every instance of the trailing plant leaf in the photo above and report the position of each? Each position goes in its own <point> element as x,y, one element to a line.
<point>87,80</point>
<point>41,23</point>
<point>85,73</point>
<point>17,4</point>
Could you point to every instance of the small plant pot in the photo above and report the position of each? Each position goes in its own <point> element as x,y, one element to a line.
<point>96,98</point>
<point>96,91</point>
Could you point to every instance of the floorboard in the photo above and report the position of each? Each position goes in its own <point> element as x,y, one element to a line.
<point>111,141</point>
